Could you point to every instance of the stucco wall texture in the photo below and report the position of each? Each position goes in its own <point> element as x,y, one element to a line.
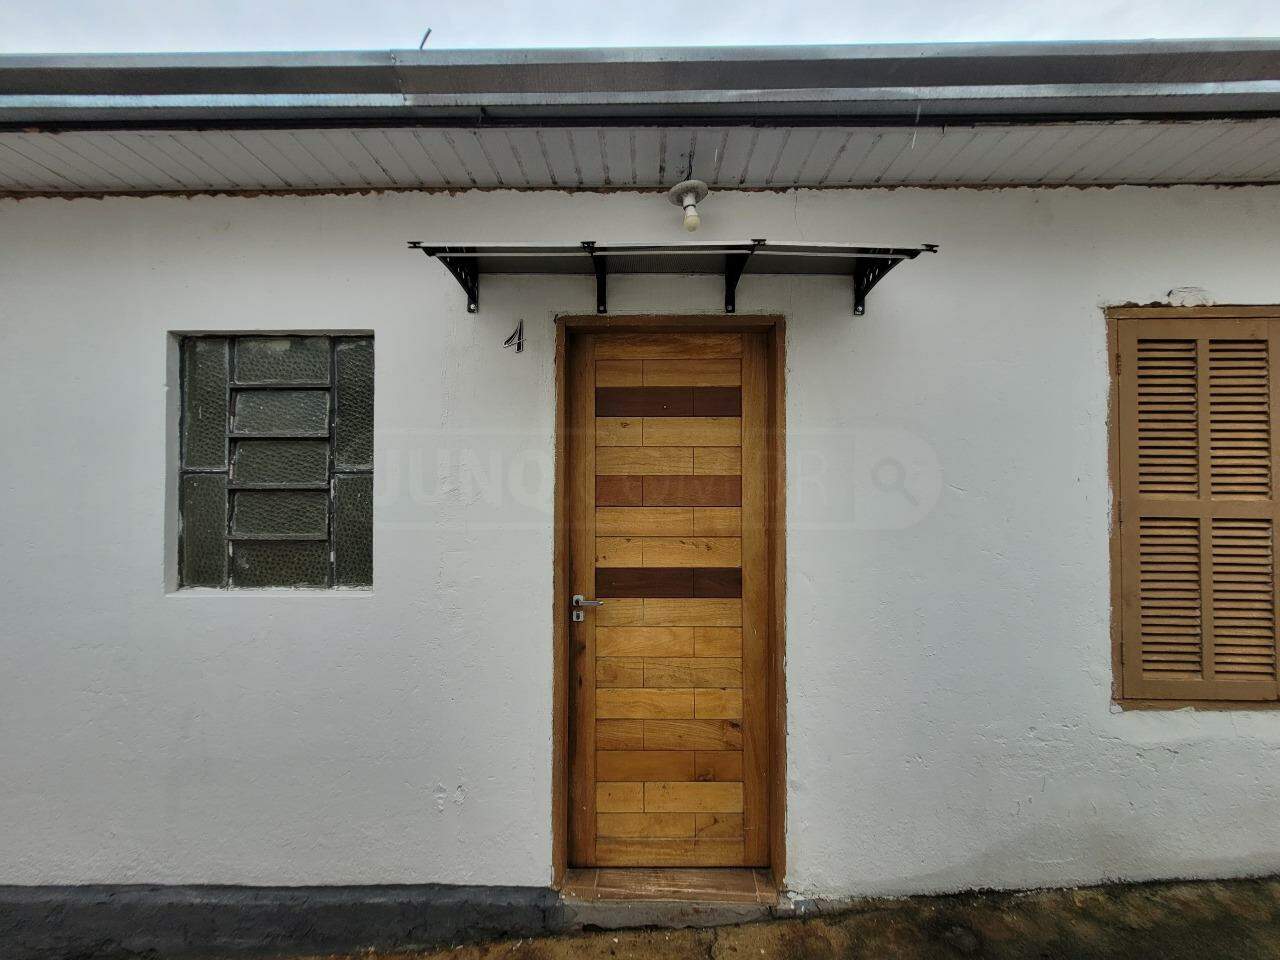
<point>948,658</point>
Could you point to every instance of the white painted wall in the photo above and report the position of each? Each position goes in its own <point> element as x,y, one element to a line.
<point>948,668</point>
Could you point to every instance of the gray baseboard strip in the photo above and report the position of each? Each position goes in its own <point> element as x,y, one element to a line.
<point>178,922</point>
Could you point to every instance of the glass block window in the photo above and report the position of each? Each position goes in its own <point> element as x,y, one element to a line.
<point>276,486</point>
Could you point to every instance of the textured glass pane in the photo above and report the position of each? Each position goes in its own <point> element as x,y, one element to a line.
<point>277,563</point>
<point>204,402</point>
<point>204,530</point>
<point>274,513</point>
<point>282,360</point>
<point>353,447</point>
<point>282,412</point>
<point>280,461</point>
<point>353,531</point>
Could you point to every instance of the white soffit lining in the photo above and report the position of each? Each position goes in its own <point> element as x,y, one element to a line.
<point>641,157</point>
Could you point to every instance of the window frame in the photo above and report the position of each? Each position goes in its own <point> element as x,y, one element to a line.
<point>177,469</point>
<point>1116,316</point>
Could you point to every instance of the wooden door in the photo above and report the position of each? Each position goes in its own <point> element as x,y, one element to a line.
<point>668,515</point>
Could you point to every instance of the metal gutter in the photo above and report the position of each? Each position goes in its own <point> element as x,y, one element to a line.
<point>881,83</point>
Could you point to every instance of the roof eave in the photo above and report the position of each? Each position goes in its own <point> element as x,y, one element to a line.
<point>886,83</point>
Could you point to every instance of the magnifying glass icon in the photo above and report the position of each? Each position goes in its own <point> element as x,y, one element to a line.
<point>890,476</point>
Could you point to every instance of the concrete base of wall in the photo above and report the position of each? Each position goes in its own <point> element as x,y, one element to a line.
<point>118,922</point>
<point>1195,920</point>
<point>177,922</point>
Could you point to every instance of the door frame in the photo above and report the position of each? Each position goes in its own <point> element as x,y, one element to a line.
<point>774,327</point>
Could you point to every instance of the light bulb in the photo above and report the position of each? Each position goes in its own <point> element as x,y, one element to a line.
<point>691,219</point>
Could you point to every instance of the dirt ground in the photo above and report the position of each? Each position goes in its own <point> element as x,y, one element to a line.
<point>1231,920</point>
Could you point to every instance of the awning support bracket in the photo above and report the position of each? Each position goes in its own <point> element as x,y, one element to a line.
<point>601,266</point>
<point>466,270</point>
<point>870,271</point>
<point>866,274</point>
<point>734,264</point>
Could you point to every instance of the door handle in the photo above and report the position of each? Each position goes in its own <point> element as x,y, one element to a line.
<point>580,601</point>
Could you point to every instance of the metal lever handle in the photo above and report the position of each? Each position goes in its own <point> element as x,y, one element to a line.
<point>580,601</point>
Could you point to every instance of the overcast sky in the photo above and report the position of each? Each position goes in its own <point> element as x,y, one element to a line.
<point>33,26</point>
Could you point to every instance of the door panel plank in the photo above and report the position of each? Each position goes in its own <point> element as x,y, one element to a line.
<point>645,582</point>
<point>662,346</point>
<point>712,582</point>
<point>620,734</point>
<point>692,735</point>
<point>691,551</point>
<point>658,825</point>
<point>717,642</point>
<point>717,401</point>
<point>644,641</point>
<point>654,522</point>
<point>619,613</point>
<point>619,491</point>
<point>641,765</point>
<point>712,521</point>
<point>620,672</point>
<point>717,704</point>
<point>691,431</point>
<point>693,613</point>
<point>627,703</point>
<point>669,796</point>
<point>619,798</point>
<point>691,373</point>
<point>717,765</point>
<point>690,491</point>
<point>722,826</point>
<point>646,852</point>
<point>645,461</point>
<point>712,461</point>
<point>619,432</point>
<point>621,373</point>
<point>618,552</point>
<point>644,402</point>
<point>667,582</point>
<point>692,672</point>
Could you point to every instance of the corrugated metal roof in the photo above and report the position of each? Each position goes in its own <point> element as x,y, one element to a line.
<point>738,117</point>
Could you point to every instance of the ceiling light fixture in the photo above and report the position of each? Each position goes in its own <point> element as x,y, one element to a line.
<point>686,194</point>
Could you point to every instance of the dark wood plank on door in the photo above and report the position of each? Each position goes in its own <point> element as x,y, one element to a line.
<point>669,582</point>
<point>619,491</point>
<point>668,401</point>
<point>679,491</point>
<point>717,402</point>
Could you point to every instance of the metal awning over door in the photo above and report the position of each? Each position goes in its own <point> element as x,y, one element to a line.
<point>864,264</point>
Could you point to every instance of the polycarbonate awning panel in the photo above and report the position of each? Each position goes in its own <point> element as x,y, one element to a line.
<point>864,264</point>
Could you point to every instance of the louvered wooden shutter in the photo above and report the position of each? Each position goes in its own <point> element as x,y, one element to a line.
<point>1198,469</point>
